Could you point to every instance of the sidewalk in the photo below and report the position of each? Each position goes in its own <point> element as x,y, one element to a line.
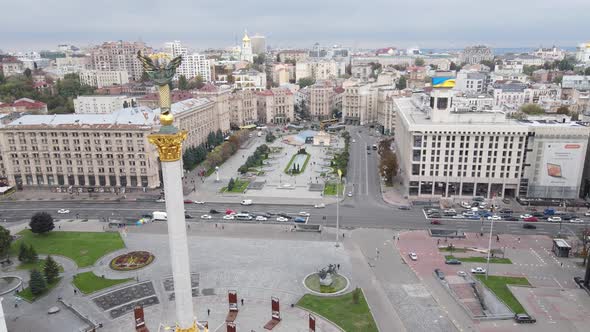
<point>48,195</point>
<point>392,196</point>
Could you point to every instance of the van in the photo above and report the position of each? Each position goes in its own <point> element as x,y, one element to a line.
<point>374,146</point>
<point>243,216</point>
<point>246,202</point>
<point>259,134</point>
<point>157,215</point>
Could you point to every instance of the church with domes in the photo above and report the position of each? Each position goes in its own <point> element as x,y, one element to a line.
<point>246,50</point>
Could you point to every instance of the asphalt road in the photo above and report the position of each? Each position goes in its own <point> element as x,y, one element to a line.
<point>365,208</point>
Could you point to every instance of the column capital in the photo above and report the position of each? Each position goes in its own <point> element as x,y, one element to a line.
<point>169,145</point>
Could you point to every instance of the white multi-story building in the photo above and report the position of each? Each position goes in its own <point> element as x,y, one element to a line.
<point>249,79</point>
<point>292,55</point>
<point>192,65</point>
<point>445,153</point>
<point>276,106</point>
<point>583,53</point>
<point>473,101</point>
<point>120,55</point>
<point>471,81</point>
<point>321,100</point>
<point>282,73</point>
<point>578,82</point>
<point>509,92</point>
<point>102,152</point>
<point>69,65</point>
<point>99,79</point>
<point>550,54</point>
<point>101,104</point>
<point>11,66</point>
<point>320,69</point>
<point>362,71</point>
<point>361,102</point>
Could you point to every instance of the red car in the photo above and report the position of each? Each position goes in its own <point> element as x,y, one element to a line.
<point>435,222</point>
<point>188,201</point>
<point>531,219</point>
<point>228,211</point>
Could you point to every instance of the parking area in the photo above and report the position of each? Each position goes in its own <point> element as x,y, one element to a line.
<point>528,256</point>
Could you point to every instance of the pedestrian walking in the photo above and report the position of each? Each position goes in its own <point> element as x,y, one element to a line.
<point>438,241</point>
<point>222,227</point>
<point>338,266</point>
<point>242,302</point>
<point>75,291</point>
<point>208,312</point>
<point>215,225</point>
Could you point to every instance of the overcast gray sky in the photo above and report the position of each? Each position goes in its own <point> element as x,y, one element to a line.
<point>33,24</point>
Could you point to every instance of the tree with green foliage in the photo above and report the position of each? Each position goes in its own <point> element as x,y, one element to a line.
<point>270,137</point>
<point>565,64</point>
<point>259,59</point>
<point>37,283</point>
<point>388,165</point>
<point>402,83</point>
<point>532,109</point>
<point>41,223</point>
<point>587,71</point>
<point>198,82</point>
<point>356,295</point>
<point>211,140</point>
<point>28,73</point>
<point>231,184</point>
<point>22,252</point>
<point>32,255</point>
<point>231,79</point>
<point>182,83</point>
<point>563,110</point>
<point>305,81</point>
<point>489,63</point>
<point>5,241</point>
<point>219,137</point>
<point>419,62</point>
<point>558,79</point>
<point>51,269</point>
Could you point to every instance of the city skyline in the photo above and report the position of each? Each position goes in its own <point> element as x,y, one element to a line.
<point>428,25</point>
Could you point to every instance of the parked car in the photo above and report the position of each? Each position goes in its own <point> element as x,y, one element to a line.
<point>300,219</point>
<point>458,216</point>
<point>199,202</point>
<point>230,211</point>
<point>478,270</point>
<point>413,256</point>
<point>160,200</point>
<point>282,219</point>
<point>404,207</point>
<point>494,217</point>
<point>554,219</point>
<point>229,217</point>
<point>587,214</point>
<point>206,216</point>
<point>524,216</point>
<point>577,221</point>
<point>284,215</point>
<point>349,194</point>
<point>568,217</point>
<point>453,261</point>
<point>246,202</point>
<point>188,216</point>
<point>188,201</point>
<point>243,216</point>
<point>261,218</point>
<point>511,218</point>
<point>529,226</point>
<point>507,211</point>
<point>63,211</point>
<point>435,222</point>
<point>531,219</point>
<point>213,211</point>
<point>466,205</point>
<point>524,318</point>
<point>450,211</point>
<point>461,273</point>
<point>439,274</point>
<point>320,206</point>
<point>505,201</point>
<point>579,281</point>
<point>304,214</point>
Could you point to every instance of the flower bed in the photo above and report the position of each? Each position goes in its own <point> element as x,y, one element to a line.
<point>132,261</point>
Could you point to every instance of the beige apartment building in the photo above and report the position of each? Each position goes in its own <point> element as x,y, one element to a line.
<point>243,108</point>
<point>101,104</point>
<point>363,103</point>
<point>322,100</point>
<point>100,79</point>
<point>221,97</point>
<point>120,55</point>
<point>198,117</point>
<point>102,152</point>
<point>276,106</point>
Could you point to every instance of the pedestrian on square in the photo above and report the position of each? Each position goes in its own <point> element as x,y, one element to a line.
<point>208,312</point>
<point>222,227</point>
<point>215,225</point>
<point>338,266</point>
<point>242,302</point>
<point>75,291</point>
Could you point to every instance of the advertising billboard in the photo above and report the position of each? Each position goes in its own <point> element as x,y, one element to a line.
<point>562,164</point>
<point>443,82</point>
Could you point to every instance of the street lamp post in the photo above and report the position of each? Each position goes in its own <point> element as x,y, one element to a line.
<point>489,249</point>
<point>338,188</point>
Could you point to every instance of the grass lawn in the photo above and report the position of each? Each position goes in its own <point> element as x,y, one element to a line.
<point>497,284</point>
<point>84,248</point>
<point>27,295</point>
<point>342,311</point>
<point>289,168</point>
<point>330,189</point>
<point>239,187</point>
<point>475,259</point>
<point>39,265</point>
<point>88,282</point>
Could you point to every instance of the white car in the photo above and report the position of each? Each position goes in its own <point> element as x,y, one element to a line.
<point>458,216</point>
<point>577,221</point>
<point>353,141</point>
<point>587,214</point>
<point>450,211</point>
<point>199,202</point>
<point>478,270</point>
<point>524,216</point>
<point>206,216</point>
<point>304,214</point>
<point>282,219</point>
<point>228,217</point>
<point>246,202</point>
<point>466,205</point>
<point>494,217</point>
<point>63,211</point>
<point>160,200</point>
<point>349,194</point>
<point>261,218</point>
<point>320,206</point>
<point>461,273</point>
<point>554,219</point>
<point>413,256</point>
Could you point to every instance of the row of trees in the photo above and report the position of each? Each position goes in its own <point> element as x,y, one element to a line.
<point>340,161</point>
<point>194,155</point>
<point>388,164</point>
<point>255,159</point>
<point>39,282</point>
<point>185,84</point>
<point>225,150</point>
